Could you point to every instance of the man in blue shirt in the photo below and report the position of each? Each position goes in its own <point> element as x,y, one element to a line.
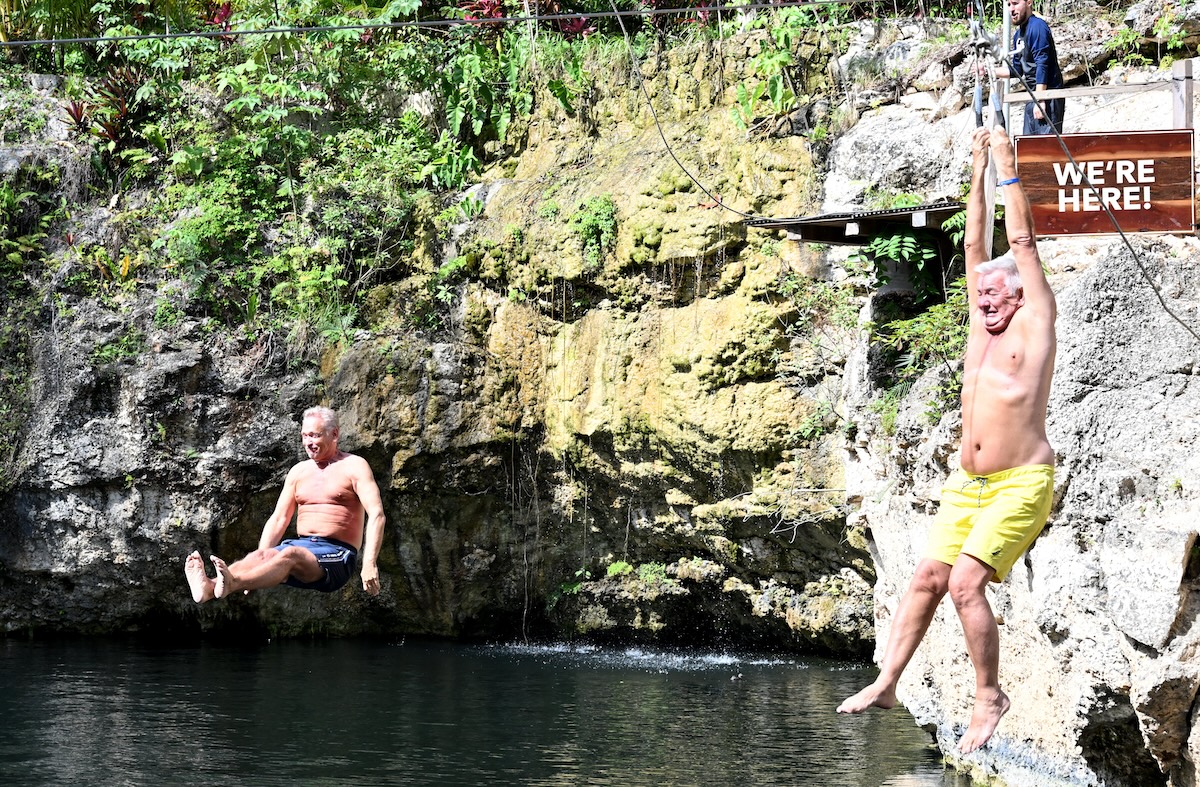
<point>1037,63</point>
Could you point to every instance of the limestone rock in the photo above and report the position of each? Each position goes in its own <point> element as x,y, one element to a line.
<point>1097,635</point>
<point>659,405</point>
<point>1143,572</point>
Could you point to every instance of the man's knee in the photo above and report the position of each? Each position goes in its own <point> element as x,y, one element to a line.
<point>968,582</point>
<point>303,564</point>
<point>931,577</point>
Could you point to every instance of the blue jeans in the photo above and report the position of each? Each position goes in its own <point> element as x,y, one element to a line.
<point>1055,108</point>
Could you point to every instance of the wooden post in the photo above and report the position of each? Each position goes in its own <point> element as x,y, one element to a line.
<point>1181,106</point>
<point>1181,93</point>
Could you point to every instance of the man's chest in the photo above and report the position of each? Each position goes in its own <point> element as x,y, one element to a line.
<point>325,487</point>
<point>994,359</point>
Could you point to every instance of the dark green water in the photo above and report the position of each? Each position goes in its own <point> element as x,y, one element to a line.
<point>369,713</point>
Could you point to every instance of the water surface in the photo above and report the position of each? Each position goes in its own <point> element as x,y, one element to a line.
<point>417,713</point>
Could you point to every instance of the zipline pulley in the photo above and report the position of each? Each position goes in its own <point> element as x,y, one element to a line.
<point>990,53</point>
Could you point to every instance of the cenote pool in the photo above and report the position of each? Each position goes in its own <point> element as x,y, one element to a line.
<point>122,712</point>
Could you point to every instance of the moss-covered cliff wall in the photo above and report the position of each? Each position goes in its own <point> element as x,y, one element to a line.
<point>610,422</point>
<point>597,404</point>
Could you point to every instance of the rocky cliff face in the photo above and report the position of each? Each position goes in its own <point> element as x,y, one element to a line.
<point>1098,630</point>
<point>652,443</point>
<point>598,443</point>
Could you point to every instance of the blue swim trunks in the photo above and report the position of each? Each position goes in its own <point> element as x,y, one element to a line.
<point>336,557</point>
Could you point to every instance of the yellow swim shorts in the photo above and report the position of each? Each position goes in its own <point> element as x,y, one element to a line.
<point>991,517</point>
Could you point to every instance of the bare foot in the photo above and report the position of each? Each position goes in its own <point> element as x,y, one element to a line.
<point>873,696</point>
<point>224,584</point>
<point>201,585</point>
<point>989,709</point>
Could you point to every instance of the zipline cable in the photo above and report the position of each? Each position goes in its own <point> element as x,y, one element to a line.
<point>637,69</point>
<point>431,23</point>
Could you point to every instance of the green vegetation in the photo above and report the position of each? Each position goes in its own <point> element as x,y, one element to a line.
<point>166,313</point>
<point>618,568</point>
<point>1125,45</point>
<point>936,336</point>
<point>815,424</point>
<point>774,66</point>
<point>887,406</point>
<point>818,303</point>
<point>595,224</point>
<point>1169,32</point>
<point>291,173</point>
<point>571,588</point>
<point>652,573</point>
<point>127,346</point>
<point>1168,36</point>
<point>15,361</point>
<point>916,250</point>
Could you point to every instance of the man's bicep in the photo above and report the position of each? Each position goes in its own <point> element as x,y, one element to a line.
<point>285,506</point>
<point>367,490</point>
<point>1033,280</point>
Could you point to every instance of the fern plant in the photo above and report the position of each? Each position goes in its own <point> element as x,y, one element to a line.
<point>911,248</point>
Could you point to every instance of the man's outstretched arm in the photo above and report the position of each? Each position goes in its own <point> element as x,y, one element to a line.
<point>368,494</point>
<point>1018,223</point>
<point>974,233</point>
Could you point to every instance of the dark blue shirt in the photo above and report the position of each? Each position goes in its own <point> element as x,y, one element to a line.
<point>1040,58</point>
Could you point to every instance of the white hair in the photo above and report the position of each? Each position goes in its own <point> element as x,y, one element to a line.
<point>1006,265</point>
<point>327,417</point>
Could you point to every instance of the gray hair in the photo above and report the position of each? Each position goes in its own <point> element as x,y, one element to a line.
<point>327,417</point>
<point>1006,265</point>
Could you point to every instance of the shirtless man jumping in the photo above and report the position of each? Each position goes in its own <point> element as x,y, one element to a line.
<point>332,491</point>
<point>995,506</point>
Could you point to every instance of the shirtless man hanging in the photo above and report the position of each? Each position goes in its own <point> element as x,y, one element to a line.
<point>331,493</point>
<point>995,506</point>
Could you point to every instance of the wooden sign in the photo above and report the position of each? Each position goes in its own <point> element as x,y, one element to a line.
<point>1144,177</point>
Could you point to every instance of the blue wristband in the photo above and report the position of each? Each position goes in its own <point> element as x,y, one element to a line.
<point>1009,182</point>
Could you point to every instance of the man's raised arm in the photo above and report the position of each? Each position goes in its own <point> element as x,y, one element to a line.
<point>974,234</point>
<point>1018,222</point>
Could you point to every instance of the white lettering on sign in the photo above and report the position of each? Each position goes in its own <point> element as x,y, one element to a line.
<point>1108,179</point>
